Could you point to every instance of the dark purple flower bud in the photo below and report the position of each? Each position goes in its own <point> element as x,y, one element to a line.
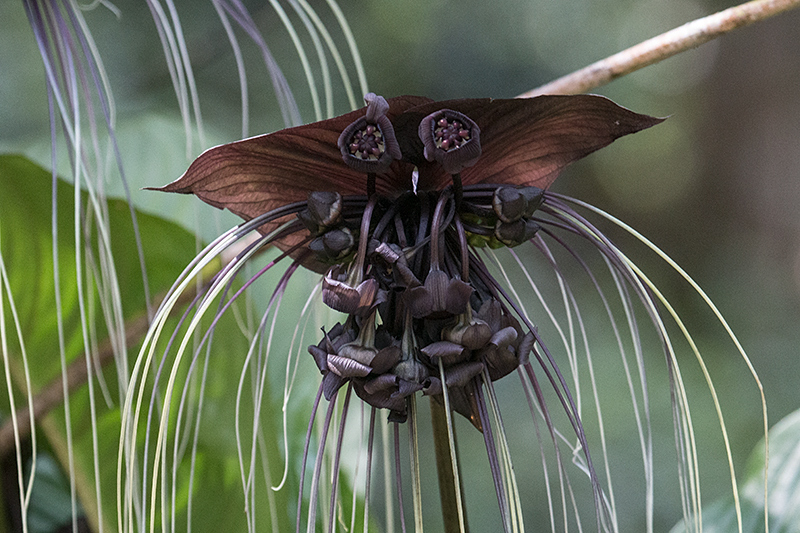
<point>468,331</point>
<point>324,210</point>
<point>320,356</point>
<point>509,204</point>
<point>459,375</point>
<point>524,348</point>
<point>360,353</point>
<point>439,297</point>
<point>347,368</point>
<point>333,245</point>
<point>450,138</point>
<point>331,343</point>
<point>504,337</point>
<point>407,388</point>
<point>513,203</point>
<point>385,359</point>
<point>380,395</point>
<point>381,383</point>
<point>338,243</point>
<point>340,296</point>
<point>515,233</point>
<point>449,353</point>
<point>534,196</point>
<point>491,312</point>
<point>500,354</point>
<point>369,144</point>
<point>411,370</point>
<point>331,383</point>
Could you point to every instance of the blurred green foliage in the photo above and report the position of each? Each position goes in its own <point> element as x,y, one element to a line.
<point>715,186</point>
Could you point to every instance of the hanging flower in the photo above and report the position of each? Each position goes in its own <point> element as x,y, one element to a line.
<point>392,203</point>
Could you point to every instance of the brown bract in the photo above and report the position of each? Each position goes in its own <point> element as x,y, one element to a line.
<point>523,142</point>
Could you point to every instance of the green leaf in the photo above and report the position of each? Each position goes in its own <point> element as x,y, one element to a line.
<point>50,502</point>
<point>783,487</point>
<point>27,252</point>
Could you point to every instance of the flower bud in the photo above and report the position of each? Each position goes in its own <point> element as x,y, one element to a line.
<point>515,233</point>
<point>324,209</point>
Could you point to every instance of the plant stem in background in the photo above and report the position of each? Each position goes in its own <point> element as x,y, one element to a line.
<point>52,395</point>
<point>675,41</point>
<point>446,474</point>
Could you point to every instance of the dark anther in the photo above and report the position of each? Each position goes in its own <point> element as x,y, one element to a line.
<point>451,138</point>
<point>369,145</point>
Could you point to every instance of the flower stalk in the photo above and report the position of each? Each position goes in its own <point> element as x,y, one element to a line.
<point>451,491</point>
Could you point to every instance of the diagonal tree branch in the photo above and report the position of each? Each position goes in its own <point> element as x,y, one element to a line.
<point>52,395</point>
<point>651,51</point>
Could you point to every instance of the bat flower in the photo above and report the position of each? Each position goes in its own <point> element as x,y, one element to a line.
<point>399,205</point>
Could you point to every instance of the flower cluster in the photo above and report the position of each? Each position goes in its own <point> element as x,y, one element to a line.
<point>419,316</point>
<point>391,203</point>
<point>422,310</point>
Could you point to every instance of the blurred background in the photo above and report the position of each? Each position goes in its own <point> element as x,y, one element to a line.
<point>717,186</point>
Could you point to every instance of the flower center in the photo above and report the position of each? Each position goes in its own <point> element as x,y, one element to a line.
<point>450,134</point>
<point>367,143</point>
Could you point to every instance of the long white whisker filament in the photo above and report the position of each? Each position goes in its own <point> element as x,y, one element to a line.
<point>451,442</point>
<point>733,338</point>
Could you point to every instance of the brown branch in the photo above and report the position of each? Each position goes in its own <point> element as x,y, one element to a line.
<point>680,39</point>
<point>52,395</point>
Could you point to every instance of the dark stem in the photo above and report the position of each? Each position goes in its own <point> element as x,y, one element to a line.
<point>315,478</point>
<point>458,189</point>
<point>370,184</point>
<point>357,273</point>
<point>369,465</point>
<point>444,470</point>
<point>436,226</point>
<point>398,476</point>
<point>462,244</point>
